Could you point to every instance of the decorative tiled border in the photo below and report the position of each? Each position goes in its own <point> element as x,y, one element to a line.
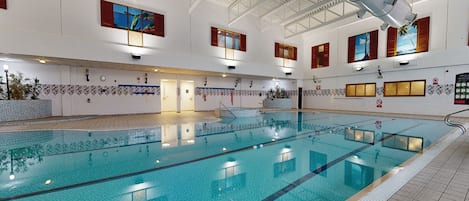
<point>324,92</point>
<point>210,91</point>
<point>60,89</point>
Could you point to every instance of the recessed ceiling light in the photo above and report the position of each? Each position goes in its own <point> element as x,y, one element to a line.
<point>156,70</point>
<point>47,182</point>
<point>223,75</point>
<point>42,61</point>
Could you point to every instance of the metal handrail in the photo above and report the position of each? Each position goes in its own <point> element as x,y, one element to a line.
<point>458,124</point>
<point>221,104</point>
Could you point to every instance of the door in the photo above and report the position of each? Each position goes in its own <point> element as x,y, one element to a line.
<point>169,95</point>
<point>300,97</point>
<point>187,95</point>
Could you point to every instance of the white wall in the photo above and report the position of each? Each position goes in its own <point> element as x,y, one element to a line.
<point>71,29</point>
<point>76,104</point>
<point>448,50</point>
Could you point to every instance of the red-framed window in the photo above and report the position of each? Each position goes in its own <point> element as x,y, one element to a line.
<point>320,56</point>
<point>285,51</point>
<point>363,47</point>
<point>409,39</point>
<point>228,39</point>
<point>133,19</point>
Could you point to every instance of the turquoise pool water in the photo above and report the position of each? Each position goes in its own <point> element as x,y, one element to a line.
<point>276,156</point>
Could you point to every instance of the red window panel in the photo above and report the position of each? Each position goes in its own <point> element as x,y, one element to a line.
<point>3,4</point>
<point>159,24</point>
<point>295,53</point>
<point>107,15</point>
<point>214,34</point>
<point>423,31</point>
<point>374,44</point>
<point>243,43</point>
<point>326,55</point>
<point>277,50</point>
<point>391,42</point>
<point>351,49</point>
<point>314,59</point>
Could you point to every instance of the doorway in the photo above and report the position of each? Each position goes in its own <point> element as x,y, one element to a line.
<point>187,95</point>
<point>169,96</point>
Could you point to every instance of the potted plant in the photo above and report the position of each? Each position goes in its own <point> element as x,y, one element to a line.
<point>22,88</point>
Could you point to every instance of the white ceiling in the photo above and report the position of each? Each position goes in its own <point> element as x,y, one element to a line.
<point>295,16</point>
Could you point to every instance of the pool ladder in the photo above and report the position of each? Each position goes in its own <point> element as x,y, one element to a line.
<point>228,109</point>
<point>458,124</point>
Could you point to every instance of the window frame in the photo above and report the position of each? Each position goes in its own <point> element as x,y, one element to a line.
<point>364,89</point>
<point>237,39</point>
<point>398,92</point>
<point>281,48</point>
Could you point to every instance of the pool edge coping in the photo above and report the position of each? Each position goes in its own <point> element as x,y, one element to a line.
<point>386,186</point>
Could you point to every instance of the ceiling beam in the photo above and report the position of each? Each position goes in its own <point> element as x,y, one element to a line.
<point>309,9</point>
<point>294,33</point>
<point>194,5</point>
<point>246,12</point>
<point>274,10</point>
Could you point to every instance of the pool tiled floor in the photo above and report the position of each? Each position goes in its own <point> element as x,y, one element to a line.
<point>445,178</point>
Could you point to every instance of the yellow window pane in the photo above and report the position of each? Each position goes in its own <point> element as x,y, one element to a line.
<point>360,90</point>
<point>140,195</point>
<point>415,144</point>
<point>350,90</point>
<point>369,137</point>
<point>417,88</point>
<point>370,90</point>
<point>358,135</point>
<point>135,38</point>
<point>390,89</point>
<point>229,53</point>
<point>403,88</point>
<point>349,134</point>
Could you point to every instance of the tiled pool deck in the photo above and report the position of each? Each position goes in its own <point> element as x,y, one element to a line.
<point>443,177</point>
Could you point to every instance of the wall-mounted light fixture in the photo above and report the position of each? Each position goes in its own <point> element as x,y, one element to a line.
<point>146,78</point>
<point>205,81</point>
<point>5,68</point>
<point>231,67</point>
<point>136,56</point>
<point>42,61</point>
<point>231,159</point>
<point>87,75</point>
<point>359,68</point>
<point>223,75</point>
<point>250,84</point>
<point>404,62</point>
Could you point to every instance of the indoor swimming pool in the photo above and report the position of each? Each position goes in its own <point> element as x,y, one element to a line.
<point>274,156</point>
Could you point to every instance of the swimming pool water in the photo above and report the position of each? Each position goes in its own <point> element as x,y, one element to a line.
<point>276,156</point>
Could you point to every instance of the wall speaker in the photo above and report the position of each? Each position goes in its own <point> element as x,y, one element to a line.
<point>134,56</point>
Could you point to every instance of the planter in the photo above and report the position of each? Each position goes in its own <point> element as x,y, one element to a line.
<point>11,110</point>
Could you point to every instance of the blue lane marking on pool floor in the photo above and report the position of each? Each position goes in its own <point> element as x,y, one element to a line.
<point>310,175</point>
